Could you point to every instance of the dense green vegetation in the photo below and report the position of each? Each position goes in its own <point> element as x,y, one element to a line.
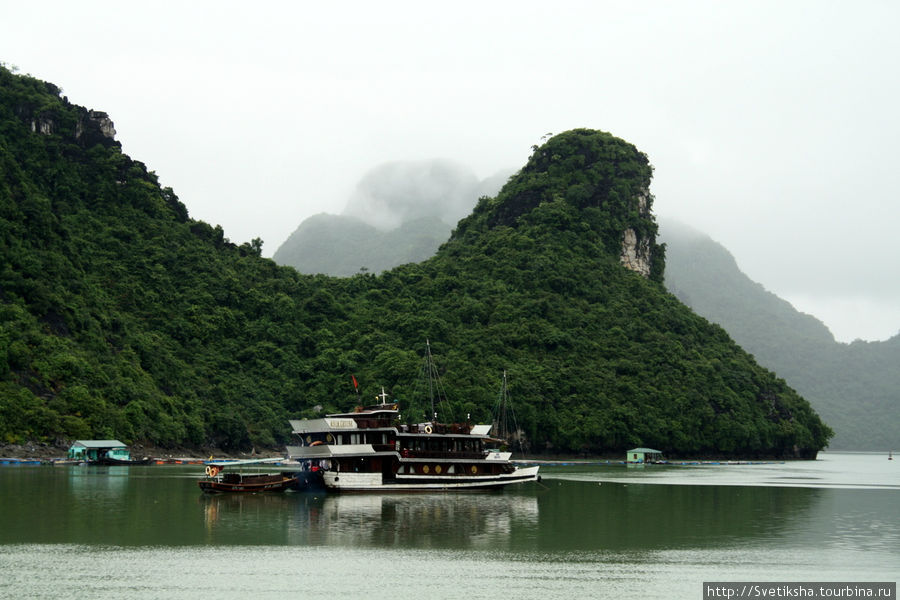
<point>855,387</point>
<point>122,317</point>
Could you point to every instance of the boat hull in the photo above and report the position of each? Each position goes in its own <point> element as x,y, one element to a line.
<point>248,485</point>
<point>375,482</point>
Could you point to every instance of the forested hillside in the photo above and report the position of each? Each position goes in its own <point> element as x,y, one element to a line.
<point>122,317</point>
<point>855,387</point>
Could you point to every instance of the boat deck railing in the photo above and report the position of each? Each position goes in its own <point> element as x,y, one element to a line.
<point>452,428</point>
<point>406,453</point>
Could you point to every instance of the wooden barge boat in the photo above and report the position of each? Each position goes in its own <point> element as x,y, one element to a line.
<point>288,475</point>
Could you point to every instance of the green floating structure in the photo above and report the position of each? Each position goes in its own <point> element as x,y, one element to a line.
<point>642,456</point>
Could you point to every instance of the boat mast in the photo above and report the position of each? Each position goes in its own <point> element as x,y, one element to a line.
<point>437,397</point>
<point>429,366</point>
<point>507,428</point>
<point>500,412</point>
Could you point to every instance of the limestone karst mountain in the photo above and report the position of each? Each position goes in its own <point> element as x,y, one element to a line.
<point>124,318</point>
<point>852,385</point>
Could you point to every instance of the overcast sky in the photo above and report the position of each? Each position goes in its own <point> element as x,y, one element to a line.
<point>772,126</point>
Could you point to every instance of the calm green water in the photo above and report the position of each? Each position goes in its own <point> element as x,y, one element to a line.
<point>584,532</point>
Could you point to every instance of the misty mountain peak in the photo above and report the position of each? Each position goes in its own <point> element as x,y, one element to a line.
<point>396,192</point>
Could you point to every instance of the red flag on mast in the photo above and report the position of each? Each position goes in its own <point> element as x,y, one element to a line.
<point>355,383</point>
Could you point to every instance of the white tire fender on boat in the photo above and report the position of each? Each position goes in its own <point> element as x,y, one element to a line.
<point>428,429</point>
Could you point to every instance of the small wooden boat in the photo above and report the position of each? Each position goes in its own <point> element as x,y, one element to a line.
<point>239,482</point>
<point>217,481</point>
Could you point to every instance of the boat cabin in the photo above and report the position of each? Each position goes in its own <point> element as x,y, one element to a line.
<point>350,431</point>
<point>94,450</point>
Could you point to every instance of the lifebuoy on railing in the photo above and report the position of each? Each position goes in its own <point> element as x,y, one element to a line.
<point>428,429</point>
<point>212,471</point>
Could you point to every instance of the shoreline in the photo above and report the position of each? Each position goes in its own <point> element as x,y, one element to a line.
<point>47,453</point>
<point>51,453</point>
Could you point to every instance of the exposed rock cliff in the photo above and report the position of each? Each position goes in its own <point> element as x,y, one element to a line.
<point>94,122</point>
<point>636,253</point>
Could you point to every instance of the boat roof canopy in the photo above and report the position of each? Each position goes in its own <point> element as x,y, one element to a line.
<point>236,463</point>
<point>646,451</point>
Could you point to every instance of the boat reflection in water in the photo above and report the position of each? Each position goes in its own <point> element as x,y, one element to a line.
<point>424,521</point>
<point>474,521</point>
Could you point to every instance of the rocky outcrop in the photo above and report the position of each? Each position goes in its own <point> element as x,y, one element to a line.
<point>103,123</point>
<point>636,253</point>
<point>43,109</point>
<point>95,127</point>
<point>637,250</point>
<point>42,125</point>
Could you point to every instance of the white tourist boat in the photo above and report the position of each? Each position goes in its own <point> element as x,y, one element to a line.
<point>370,450</point>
